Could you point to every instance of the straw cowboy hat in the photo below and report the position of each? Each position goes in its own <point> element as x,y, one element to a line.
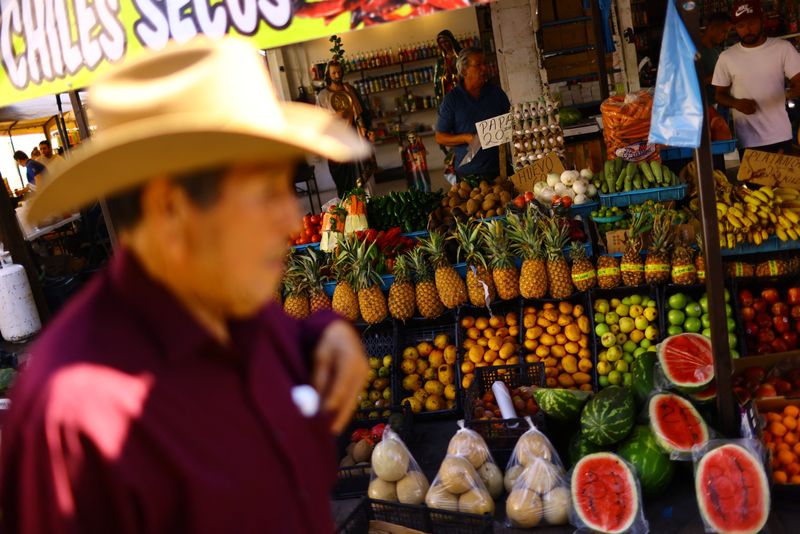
<point>188,107</point>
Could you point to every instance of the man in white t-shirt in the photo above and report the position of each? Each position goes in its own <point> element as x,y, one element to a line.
<point>750,79</point>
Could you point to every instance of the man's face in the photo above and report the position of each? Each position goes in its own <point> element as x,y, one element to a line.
<point>46,150</point>
<point>20,162</point>
<point>749,30</point>
<point>235,249</point>
<point>335,72</point>
<point>476,71</point>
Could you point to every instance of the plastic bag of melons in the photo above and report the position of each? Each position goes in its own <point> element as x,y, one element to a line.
<point>458,488</point>
<point>471,445</point>
<point>537,486</point>
<point>396,476</point>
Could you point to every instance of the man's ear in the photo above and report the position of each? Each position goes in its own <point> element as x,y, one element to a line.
<point>166,210</point>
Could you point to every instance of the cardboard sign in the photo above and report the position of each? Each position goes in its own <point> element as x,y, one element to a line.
<point>765,168</point>
<point>494,131</point>
<point>537,172</point>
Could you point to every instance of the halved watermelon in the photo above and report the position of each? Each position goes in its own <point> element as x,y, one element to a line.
<point>732,490</point>
<point>687,361</point>
<point>706,395</point>
<point>675,423</point>
<point>604,493</point>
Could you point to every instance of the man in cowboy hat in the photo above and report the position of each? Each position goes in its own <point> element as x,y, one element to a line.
<point>171,395</point>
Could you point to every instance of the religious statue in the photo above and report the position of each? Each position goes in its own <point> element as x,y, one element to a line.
<point>445,75</point>
<point>416,164</point>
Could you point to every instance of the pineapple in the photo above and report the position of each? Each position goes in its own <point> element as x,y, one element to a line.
<point>772,268</point>
<point>504,269</point>
<point>583,274</point>
<point>631,266</point>
<point>555,238</point>
<point>684,272</point>
<point>700,261</point>
<point>451,288</point>
<point>656,266</point>
<point>479,279</point>
<point>428,302</point>
<point>367,283</point>
<point>345,300</point>
<point>608,275</point>
<point>310,264</point>
<point>296,303</point>
<point>402,302</point>
<point>525,241</point>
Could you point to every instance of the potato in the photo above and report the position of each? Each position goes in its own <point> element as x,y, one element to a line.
<point>491,213</point>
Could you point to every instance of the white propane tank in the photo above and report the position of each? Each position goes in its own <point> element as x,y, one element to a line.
<point>19,318</point>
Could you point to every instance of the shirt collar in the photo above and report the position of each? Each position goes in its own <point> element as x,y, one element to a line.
<point>467,94</point>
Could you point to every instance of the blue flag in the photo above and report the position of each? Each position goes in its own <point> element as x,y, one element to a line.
<point>677,105</point>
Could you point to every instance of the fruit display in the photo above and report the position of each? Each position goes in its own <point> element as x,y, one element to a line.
<point>502,262</point>
<point>676,424</point>
<point>536,483</point>
<point>470,445</point>
<point>376,397</point>
<point>401,301</point>
<point>557,334</point>
<point>687,314</point>
<point>450,286</point>
<point>561,404</point>
<point>429,304</point>
<point>605,496</point>
<point>631,265</point>
<point>756,383</point>
<point>625,328</point>
<point>407,210</point>
<point>480,283</point>
<point>771,319</point>
<point>311,232</point>
<point>396,476</point>
<point>732,490</point>
<point>781,436</point>
<point>619,176</point>
<point>687,361</point>
<point>485,408</point>
<point>488,340</point>
<point>609,416</point>
<point>524,233</point>
<point>654,469</point>
<point>471,200</point>
<point>459,488</point>
<point>428,375</point>
<point>362,441</point>
<point>576,186</point>
<point>609,219</point>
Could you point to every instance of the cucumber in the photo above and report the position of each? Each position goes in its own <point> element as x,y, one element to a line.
<point>620,179</point>
<point>628,185</point>
<point>648,174</point>
<point>657,173</point>
<point>637,183</point>
<point>619,163</point>
<point>604,188</point>
<point>608,168</point>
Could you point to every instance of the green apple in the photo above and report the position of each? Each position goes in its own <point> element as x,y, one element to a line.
<point>635,311</point>
<point>628,357</point>
<point>615,378</point>
<point>603,381</point>
<point>693,309</point>
<point>651,314</point>
<point>612,318</point>
<point>601,329</point>
<point>727,296</point>
<point>704,303</point>
<point>641,322</point>
<point>706,320</point>
<point>622,310</point>
<point>728,310</point>
<point>693,325</point>
<point>621,366</point>
<point>636,299</point>
<point>674,330</point>
<point>599,318</point>
<point>646,343</point>
<point>706,332</point>
<point>626,301</point>
<point>677,301</point>
<point>608,340</point>
<point>732,340</point>
<point>650,304</point>
<point>601,306</point>
<point>651,333</point>
<point>626,325</point>
<point>676,317</point>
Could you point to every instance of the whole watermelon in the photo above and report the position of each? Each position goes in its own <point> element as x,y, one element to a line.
<point>561,404</point>
<point>580,447</point>
<point>609,416</point>
<point>642,370</point>
<point>653,466</point>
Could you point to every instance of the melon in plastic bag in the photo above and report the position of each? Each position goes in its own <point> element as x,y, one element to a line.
<point>470,445</point>
<point>531,446</point>
<point>396,476</point>
<point>458,488</point>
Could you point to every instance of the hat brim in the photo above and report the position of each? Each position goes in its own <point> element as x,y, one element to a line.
<point>129,156</point>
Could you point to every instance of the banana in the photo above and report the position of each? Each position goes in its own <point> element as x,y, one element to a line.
<point>731,241</point>
<point>792,233</point>
<point>752,217</point>
<point>773,218</point>
<point>764,234</point>
<point>781,234</point>
<point>783,221</point>
<point>735,222</point>
<point>736,212</point>
<point>792,205</point>
<point>787,192</point>
<point>756,238</point>
<point>751,199</point>
<point>760,196</point>
<point>791,215</point>
<point>767,190</point>
<point>722,209</point>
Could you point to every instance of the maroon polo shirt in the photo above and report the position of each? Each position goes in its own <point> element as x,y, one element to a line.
<point>130,418</point>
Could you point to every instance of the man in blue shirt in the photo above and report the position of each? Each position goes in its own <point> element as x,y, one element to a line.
<point>471,101</point>
<point>32,168</point>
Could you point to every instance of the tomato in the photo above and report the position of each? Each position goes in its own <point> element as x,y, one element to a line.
<point>763,320</point>
<point>760,305</point>
<point>566,201</point>
<point>307,219</point>
<point>766,336</point>
<point>770,294</point>
<point>300,241</point>
<point>790,338</point>
<point>748,313</point>
<point>315,219</point>
<point>795,311</point>
<point>745,297</point>
<point>779,345</point>
<point>751,329</point>
<point>779,308</point>
<point>529,196</point>
<point>782,324</point>
<point>519,202</point>
<point>308,232</point>
<point>316,238</point>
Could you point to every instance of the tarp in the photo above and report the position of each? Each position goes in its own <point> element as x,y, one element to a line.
<point>52,46</point>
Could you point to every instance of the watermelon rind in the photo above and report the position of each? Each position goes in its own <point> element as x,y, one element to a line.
<point>685,419</point>
<point>561,404</point>
<point>588,471</point>
<point>580,447</point>
<point>653,466</point>
<point>609,416</point>
<point>721,495</point>
<point>642,371</point>
<point>696,367</point>
<point>706,395</point>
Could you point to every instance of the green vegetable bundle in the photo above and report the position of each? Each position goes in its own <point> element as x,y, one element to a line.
<point>407,209</point>
<point>619,176</point>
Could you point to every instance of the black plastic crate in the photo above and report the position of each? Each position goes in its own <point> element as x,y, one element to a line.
<point>501,435</point>
<point>406,515</point>
<point>379,341</point>
<point>358,520</point>
<point>576,299</point>
<point>417,517</point>
<point>444,522</point>
<point>416,331</point>
<point>756,284</point>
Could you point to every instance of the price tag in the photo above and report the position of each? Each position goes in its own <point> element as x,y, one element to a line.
<point>495,131</point>
<point>765,168</point>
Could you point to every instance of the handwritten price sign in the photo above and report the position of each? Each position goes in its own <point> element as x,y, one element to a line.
<point>764,168</point>
<point>494,131</point>
<point>525,179</point>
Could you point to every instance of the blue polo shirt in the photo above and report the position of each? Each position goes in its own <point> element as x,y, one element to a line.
<point>458,114</point>
<point>33,169</point>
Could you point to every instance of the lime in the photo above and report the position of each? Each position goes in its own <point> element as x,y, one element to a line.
<point>704,303</point>
<point>706,320</point>
<point>636,299</point>
<point>629,346</point>
<point>677,301</point>
<point>601,329</point>
<point>676,317</point>
<point>731,325</point>
<point>706,332</point>
<point>693,325</point>
<point>639,351</point>
<point>693,309</point>
<point>622,366</point>
<point>603,381</point>
<point>645,343</point>
<point>674,330</point>
<point>615,378</point>
<point>627,380</point>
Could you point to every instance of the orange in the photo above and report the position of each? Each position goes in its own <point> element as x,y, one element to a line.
<point>467,322</point>
<point>777,429</point>
<point>512,319</point>
<point>468,344</point>
<point>585,365</point>
<point>790,438</point>
<point>790,422</point>
<point>779,477</point>
<point>791,410</point>
<point>489,333</point>
<point>564,320</point>
<point>473,333</point>
<point>795,479</point>
<point>793,469</point>
<point>481,364</point>
<point>475,354</point>
<point>513,331</point>
<point>502,332</point>
<point>785,457</point>
<point>547,340</point>
<point>570,364</point>
<point>772,416</point>
<point>481,323</point>
<point>582,378</point>
<point>497,322</point>
<point>550,362</point>
<point>550,315</point>
<point>495,343</point>
<point>507,350</point>
<point>467,367</point>
<point>565,307</point>
<point>530,344</point>
<point>783,447</point>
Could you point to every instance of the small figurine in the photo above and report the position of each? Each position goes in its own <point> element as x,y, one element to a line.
<point>416,164</point>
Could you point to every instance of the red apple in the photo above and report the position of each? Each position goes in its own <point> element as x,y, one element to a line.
<point>766,390</point>
<point>791,340</point>
<point>779,345</point>
<point>793,296</point>
<point>755,373</point>
<point>782,387</point>
<point>760,305</point>
<point>795,311</point>
<point>781,324</point>
<point>745,297</point>
<point>770,294</point>
<point>763,321</point>
<point>751,329</point>
<point>764,348</point>
<point>779,308</point>
<point>766,336</point>
<point>748,313</point>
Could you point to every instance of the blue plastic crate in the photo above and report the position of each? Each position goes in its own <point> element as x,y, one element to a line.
<point>584,210</point>
<point>386,282</point>
<point>717,147</point>
<point>656,194</point>
<point>773,244</point>
<point>309,245</point>
<point>422,234</point>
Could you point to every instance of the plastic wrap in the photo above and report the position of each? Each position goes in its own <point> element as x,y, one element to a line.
<point>458,488</point>
<point>626,126</point>
<point>470,445</point>
<point>606,496</point>
<point>396,476</point>
<point>731,485</point>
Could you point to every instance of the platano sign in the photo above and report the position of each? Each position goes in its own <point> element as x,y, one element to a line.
<point>51,46</point>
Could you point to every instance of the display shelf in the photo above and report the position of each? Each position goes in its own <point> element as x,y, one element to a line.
<point>569,51</point>
<point>564,22</point>
<point>656,194</point>
<point>394,64</point>
<point>400,114</point>
<point>717,148</point>
<point>419,518</point>
<point>773,244</point>
<point>394,138</point>
<point>398,88</point>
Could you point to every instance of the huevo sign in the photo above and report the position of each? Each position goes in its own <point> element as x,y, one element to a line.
<point>50,46</point>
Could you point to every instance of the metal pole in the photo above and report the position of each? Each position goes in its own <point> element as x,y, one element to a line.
<point>600,48</point>
<point>83,130</point>
<point>715,287</point>
<point>13,149</point>
<point>61,126</point>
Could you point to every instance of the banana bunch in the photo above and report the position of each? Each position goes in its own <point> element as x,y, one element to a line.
<point>753,215</point>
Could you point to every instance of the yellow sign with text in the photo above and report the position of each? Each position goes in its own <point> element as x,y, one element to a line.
<point>52,46</point>
<point>525,178</point>
<point>765,168</point>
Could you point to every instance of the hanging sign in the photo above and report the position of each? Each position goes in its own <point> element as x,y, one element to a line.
<point>52,46</point>
<point>766,168</point>
<point>494,131</point>
<point>525,178</point>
